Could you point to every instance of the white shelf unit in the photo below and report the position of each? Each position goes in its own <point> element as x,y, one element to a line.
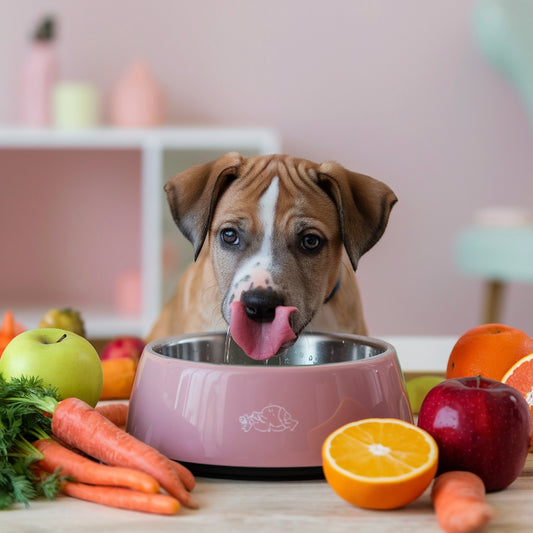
<point>163,153</point>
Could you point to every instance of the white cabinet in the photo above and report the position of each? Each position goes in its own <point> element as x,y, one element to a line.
<point>85,223</point>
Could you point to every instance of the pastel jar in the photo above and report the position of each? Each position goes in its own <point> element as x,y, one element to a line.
<point>75,105</point>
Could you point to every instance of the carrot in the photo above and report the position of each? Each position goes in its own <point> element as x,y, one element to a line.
<point>123,498</point>
<point>185,475</point>
<point>116,412</point>
<point>81,426</point>
<point>8,330</point>
<point>86,470</point>
<point>459,501</point>
<point>8,325</point>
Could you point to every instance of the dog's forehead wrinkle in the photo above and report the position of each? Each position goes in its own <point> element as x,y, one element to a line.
<point>256,166</point>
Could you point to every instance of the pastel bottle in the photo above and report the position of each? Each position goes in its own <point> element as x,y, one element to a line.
<point>39,75</point>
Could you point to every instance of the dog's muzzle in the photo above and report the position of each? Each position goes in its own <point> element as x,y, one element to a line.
<point>260,304</point>
<point>260,323</point>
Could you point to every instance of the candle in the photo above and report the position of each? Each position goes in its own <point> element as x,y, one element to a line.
<point>76,105</point>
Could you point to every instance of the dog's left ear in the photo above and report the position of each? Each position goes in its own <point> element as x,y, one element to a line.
<point>364,206</point>
<point>193,194</point>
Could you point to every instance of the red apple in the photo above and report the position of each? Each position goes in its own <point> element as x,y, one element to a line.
<point>130,347</point>
<point>480,425</point>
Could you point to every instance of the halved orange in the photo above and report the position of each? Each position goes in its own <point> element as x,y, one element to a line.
<point>520,376</point>
<point>379,463</point>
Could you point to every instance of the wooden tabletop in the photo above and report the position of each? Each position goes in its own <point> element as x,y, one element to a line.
<point>264,506</point>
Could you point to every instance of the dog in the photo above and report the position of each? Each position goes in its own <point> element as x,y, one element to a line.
<point>277,240</point>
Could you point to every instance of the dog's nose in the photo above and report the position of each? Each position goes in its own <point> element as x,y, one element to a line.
<point>261,303</point>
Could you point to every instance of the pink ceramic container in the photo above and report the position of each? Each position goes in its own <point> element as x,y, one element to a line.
<point>137,100</point>
<point>230,416</point>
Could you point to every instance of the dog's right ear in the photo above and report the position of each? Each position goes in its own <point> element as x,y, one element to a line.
<point>193,194</point>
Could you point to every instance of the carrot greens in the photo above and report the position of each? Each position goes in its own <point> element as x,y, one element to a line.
<point>24,403</point>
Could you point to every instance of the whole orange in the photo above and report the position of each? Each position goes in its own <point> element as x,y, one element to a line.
<point>488,350</point>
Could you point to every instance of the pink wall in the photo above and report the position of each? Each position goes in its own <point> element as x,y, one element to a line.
<point>66,209</point>
<point>393,89</point>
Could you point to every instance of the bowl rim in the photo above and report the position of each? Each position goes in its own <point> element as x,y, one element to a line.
<point>388,350</point>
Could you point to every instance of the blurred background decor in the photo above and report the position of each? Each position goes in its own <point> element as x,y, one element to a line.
<point>397,90</point>
<point>75,105</point>
<point>137,100</point>
<point>38,75</point>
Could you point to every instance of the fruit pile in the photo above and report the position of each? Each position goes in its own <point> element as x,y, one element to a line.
<point>89,376</point>
<point>473,433</point>
<point>498,352</point>
<point>120,358</point>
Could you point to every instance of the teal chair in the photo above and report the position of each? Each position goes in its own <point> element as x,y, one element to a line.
<point>499,255</point>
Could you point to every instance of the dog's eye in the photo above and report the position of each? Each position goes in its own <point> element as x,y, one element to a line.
<point>230,236</point>
<point>311,242</point>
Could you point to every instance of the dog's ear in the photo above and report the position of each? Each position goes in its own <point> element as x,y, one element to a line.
<point>364,206</point>
<point>193,194</point>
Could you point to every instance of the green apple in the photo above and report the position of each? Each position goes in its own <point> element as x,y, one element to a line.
<point>417,389</point>
<point>60,358</point>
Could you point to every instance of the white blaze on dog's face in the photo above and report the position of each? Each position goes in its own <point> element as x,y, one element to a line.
<point>282,245</point>
<point>256,270</point>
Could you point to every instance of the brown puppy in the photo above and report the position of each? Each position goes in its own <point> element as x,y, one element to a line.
<point>277,240</point>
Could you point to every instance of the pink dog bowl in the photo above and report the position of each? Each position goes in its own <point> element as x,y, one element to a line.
<point>231,416</point>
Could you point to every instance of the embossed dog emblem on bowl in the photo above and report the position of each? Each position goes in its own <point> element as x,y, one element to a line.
<point>270,418</point>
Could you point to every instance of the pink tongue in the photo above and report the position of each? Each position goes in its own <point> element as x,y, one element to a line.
<point>261,340</point>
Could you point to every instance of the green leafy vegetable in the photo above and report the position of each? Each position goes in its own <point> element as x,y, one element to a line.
<point>25,405</point>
